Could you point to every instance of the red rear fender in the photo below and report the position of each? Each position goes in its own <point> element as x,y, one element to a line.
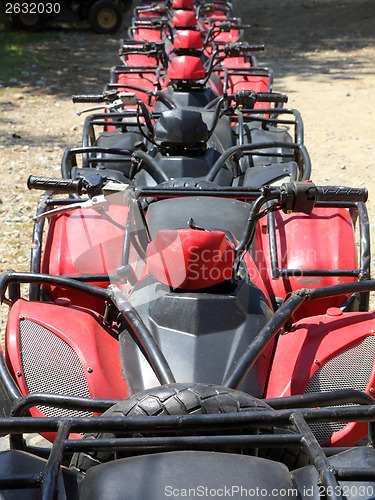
<point>84,241</point>
<point>322,240</point>
<point>63,349</point>
<point>329,352</point>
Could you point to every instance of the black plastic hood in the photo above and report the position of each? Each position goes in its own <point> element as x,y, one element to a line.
<point>202,334</point>
<point>181,126</point>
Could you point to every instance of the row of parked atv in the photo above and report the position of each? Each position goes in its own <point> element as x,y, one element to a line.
<point>197,318</point>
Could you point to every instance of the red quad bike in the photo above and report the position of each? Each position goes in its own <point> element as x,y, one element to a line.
<point>204,9</point>
<point>216,46</point>
<point>185,74</point>
<point>188,62</point>
<point>183,38</point>
<point>147,69</point>
<point>286,261</point>
<point>230,141</point>
<point>158,9</point>
<point>248,399</point>
<point>164,29</point>
<point>149,62</point>
<point>150,26</point>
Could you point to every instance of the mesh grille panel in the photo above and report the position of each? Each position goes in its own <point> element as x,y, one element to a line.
<point>351,369</point>
<point>51,365</point>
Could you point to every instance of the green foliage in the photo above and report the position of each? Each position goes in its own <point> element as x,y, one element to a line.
<point>20,51</point>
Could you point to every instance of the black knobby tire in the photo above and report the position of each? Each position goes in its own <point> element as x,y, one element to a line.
<point>293,456</point>
<point>28,22</point>
<point>105,17</point>
<point>172,399</point>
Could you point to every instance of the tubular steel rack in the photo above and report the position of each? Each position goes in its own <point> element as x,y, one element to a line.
<point>187,425</point>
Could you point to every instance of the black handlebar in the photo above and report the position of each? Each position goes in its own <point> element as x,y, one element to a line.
<point>88,98</point>
<point>236,49</point>
<point>155,23</point>
<point>242,26</point>
<point>302,196</point>
<point>298,196</point>
<point>66,186</point>
<point>241,47</point>
<point>295,197</point>
<point>341,193</point>
<point>271,97</point>
<point>144,47</point>
<point>91,185</point>
<point>247,98</point>
<point>107,96</point>
<point>227,26</point>
<point>254,48</point>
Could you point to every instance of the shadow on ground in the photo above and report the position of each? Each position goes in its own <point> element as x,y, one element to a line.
<point>295,30</point>
<point>75,60</point>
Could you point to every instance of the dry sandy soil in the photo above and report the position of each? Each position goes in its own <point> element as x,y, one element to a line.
<point>323,56</point>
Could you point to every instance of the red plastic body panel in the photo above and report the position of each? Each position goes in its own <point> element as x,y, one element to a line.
<point>211,12</point>
<point>151,13</point>
<point>222,36</point>
<point>227,37</point>
<point>109,120</point>
<point>322,240</point>
<point>83,331</point>
<point>184,19</point>
<point>148,35</point>
<point>144,80</point>
<point>186,68</point>
<point>313,341</point>
<point>140,60</point>
<point>245,82</point>
<point>183,4</point>
<point>188,39</point>
<point>250,82</point>
<point>84,241</point>
<point>235,61</point>
<point>148,13</point>
<point>190,259</point>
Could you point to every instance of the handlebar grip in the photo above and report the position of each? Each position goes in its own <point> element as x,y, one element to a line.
<point>139,22</point>
<point>139,47</point>
<point>255,48</point>
<point>242,48</point>
<point>228,26</point>
<point>271,97</point>
<point>67,186</point>
<point>134,46</point>
<point>150,22</point>
<point>341,193</point>
<point>88,98</point>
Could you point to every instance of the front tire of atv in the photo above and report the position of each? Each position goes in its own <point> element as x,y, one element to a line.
<point>172,399</point>
<point>28,22</point>
<point>105,17</point>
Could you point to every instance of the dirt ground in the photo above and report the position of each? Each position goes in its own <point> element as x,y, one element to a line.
<point>323,56</point>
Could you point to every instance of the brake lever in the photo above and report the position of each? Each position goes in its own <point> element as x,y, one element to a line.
<point>97,203</point>
<point>115,105</point>
<point>88,110</point>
